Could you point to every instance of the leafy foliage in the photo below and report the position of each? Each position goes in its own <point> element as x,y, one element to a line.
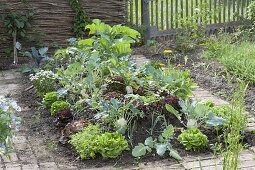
<point>80,19</point>
<point>16,21</point>
<point>193,139</point>
<point>58,106</point>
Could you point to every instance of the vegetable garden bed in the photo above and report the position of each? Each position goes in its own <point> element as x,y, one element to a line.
<point>99,103</point>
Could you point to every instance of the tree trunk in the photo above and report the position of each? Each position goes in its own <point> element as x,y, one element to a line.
<point>15,52</point>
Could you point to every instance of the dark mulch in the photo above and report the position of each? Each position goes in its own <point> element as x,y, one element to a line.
<point>6,63</point>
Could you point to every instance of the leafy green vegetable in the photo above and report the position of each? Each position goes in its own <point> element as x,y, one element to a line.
<point>86,141</point>
<point>193,139</point>
<point>50,98</point>
<point>162,144</point>
<point>111,145</point>
<point>57,106</point>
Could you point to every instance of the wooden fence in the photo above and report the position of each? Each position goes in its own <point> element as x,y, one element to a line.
<point>164,17</point>
<point>53,20</point>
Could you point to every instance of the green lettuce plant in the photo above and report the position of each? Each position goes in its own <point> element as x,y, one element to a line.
<point>50,98</point>
<point>111,145</point>
<point>193,139</point>
<point>86,141</point>
<point>91,141</point>
<point>57,106</point>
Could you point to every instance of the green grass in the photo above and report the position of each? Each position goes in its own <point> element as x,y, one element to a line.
<point>160,19</point>
<point>238,58</point>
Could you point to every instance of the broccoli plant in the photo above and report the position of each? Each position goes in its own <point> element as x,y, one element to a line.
<point>162,144</point>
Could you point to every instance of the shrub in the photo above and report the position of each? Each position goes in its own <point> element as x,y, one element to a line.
<point>193,139</point>
<point>44,82</point>
<point>50,98</point>
<point>85,142</point>
<point>111,145</point>
<point>57,106</point>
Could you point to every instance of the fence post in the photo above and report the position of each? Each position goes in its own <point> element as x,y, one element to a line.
<point>146,19</point>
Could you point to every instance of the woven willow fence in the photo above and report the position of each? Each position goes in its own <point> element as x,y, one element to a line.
<point>53,19</point>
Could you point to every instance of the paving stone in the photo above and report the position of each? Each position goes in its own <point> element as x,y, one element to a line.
<point>12,166</point>
<point>203,163</point>
<point>30,167</point>
<point>27,157</point>
<point>11,74</point>
<point>48,166</point>
<point>9,89</point>
<point>67,167</point>
<point>13,158</point>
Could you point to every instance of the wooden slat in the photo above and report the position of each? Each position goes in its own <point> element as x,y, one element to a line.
<point>242,7</point>
<point>176,13</point>
<point>136,13</point>
<point>229,6</point>
<point>167,14</point>
<point>152,13</point>
<point>197,21</point>
<point>181,11</point>
<point>234,9</point>
<point>224,11</point>
<point>172,14</point>
<point>238,9</point>
<point>162,14</point>
<point>219,11</point>
<point>210,7</point>
<point>157,11</point>
<point>131,12</point>
<point>187,8</point>
<point>215,9</point>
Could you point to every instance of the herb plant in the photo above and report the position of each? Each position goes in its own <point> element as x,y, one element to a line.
<point>44,82</point>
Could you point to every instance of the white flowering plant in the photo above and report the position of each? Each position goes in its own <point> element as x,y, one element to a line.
<point>44,82</point>
<point>8,123</point>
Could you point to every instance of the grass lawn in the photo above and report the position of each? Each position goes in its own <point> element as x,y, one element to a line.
<point>238,58</point>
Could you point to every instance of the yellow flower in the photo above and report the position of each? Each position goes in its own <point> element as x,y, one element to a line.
<point>179,66</point>
<point>161,65</point>
<point>168,51</point>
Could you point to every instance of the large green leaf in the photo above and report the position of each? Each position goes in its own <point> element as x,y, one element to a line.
<point>172,110</point>
<point>173,153</point>
<point>140,150</point>
<point>149,142</point>
<point>161,149</point>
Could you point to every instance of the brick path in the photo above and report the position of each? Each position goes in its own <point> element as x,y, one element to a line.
<point>27,156</point>
<point>24,156</point>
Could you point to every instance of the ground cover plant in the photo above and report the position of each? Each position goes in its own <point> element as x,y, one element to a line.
<point>94,81</point>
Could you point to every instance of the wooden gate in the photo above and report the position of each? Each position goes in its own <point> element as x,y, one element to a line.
<point>165,17</point>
